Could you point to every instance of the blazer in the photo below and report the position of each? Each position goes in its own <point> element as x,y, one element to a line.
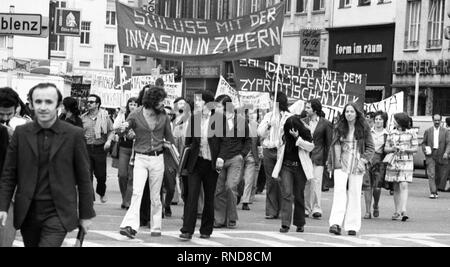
<point>4,140</point>
<point>69,174</point>
<point>322,139</point>
<point>365,146</point>
<point>304,148</point>
<point>193,141</point>
<point>444,144</point>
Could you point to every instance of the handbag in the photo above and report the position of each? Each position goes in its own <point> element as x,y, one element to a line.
<point>114,150</point>
<point>182,169</point>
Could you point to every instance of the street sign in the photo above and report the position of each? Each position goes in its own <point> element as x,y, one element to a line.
<point>68,22</point>
<point>20,24</point>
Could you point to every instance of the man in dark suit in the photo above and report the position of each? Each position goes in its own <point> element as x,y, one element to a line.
<point>201,168</point>
<point>321,131</point>
<point>56,174</point>
<point>436,147</point>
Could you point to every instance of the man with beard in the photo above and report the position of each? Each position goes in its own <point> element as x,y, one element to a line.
<point>9,101</point>
<point>152,127</point>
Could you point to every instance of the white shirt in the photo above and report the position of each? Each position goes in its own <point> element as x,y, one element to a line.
<point>436,137</point>
<point>313,125</point>
<point>272,138</point>
<point>205,151</point>
<point>378,140</point>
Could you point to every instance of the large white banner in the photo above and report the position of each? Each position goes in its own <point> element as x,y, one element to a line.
<point>243,99</point>
<point>104,87</point>
<point>391,106</point>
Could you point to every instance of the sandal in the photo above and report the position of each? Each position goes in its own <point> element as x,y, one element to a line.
<point>368,216</point>
<point>396,216</point>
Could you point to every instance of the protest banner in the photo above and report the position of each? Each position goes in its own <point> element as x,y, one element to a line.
<point>249,100</point>
<point>113,97</point>
<point>391,106</point>
<point>146,34</point>
<point>334,89</point>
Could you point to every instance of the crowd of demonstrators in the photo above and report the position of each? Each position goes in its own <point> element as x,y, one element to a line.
<point>295,153</point>
<point>56,174</point>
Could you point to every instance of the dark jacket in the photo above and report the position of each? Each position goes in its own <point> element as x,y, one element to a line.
<point>322,139</point>
<point>69,175</point>
<point>74,120</point>
<point>365,146</point>
<point>235,141</point>
<point>193,141</point>
<point>4,139</point>
<point>444,144</point>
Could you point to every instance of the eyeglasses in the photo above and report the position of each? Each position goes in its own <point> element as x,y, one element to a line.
<point>92,102</point>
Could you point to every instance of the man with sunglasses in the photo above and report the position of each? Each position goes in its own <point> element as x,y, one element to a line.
<point>97,130</point>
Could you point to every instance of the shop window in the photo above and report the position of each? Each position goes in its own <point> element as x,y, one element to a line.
<point>435,24</point>
<point>413,24</point>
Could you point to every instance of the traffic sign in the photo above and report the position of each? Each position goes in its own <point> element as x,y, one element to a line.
<point>20,24</point>
<point>68,22</point>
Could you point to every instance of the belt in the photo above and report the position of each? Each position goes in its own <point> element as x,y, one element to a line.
<point>290,163</point>
<point>151,154</point>
<point>95,146</point>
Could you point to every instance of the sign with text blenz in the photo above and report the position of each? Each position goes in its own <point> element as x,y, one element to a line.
<point>20,24</point>
<point>68,22</point>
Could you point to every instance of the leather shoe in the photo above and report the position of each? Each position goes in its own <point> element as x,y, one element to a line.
<point>245,206</point>
<point>104,199</point>
<point>317,215</point>
<point>271,217</point>
<point>185,236</point>
<point>335,229</point>
<point>232,224</point>
<point>128,232</point>
<point>353,233</point>
<point>300,229</point>
<point>216,225</point>
<point>205,236</point>
<point>284,229</point>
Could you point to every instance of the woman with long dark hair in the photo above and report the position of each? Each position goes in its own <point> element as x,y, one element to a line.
<point>125,151</point>
<point>70,112</point>
<point>294,167</point>
<point>351,149</point>
<point>403,143</point>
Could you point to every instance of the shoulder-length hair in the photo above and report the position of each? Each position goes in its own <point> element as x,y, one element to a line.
<point>128,111</point>
<point>294,122</point>
<point>383,116</point>
<point>361,126</point>
<point>403,121</point>
<point>152,97</point>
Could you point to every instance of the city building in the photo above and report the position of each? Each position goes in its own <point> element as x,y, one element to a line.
<point>362,40</point>
<point>421,47</point>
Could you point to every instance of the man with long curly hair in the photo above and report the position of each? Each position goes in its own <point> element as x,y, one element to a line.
<point>152,127</point>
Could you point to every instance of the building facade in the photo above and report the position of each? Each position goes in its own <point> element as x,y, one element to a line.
<point>364,44</point>
<point>421,47</point>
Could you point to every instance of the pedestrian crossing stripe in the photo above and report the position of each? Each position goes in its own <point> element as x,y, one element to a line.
<point>220,238</point>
